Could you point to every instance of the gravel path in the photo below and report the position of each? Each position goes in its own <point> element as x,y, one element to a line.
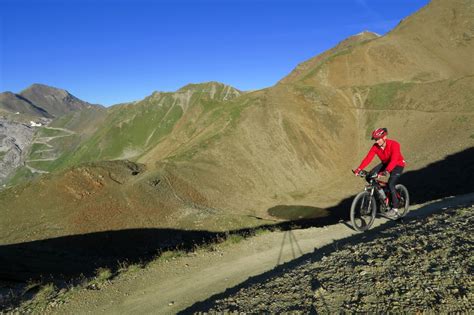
<point>421,265</point>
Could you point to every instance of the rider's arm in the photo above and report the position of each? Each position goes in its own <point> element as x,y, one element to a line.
<point>368,158</point>
<point>394,157</point>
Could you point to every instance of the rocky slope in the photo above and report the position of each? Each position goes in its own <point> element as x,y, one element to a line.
<point>421,265</point>
<point>15,138</point>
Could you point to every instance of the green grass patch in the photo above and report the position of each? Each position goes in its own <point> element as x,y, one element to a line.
<point>36,156</point>
<point>125,267</point>
<point>102,276</point>
<point>22,174</point>
<point>261,231</point>
<point>2,154</point>
<point>38,147</point>
<point>133,128</point>
<point>460,119</point>
<point>40,165</point>
<point>471,136</point>
<point>170,255</point>
<point>46,132</point>
<point>384,95</point>
<point>218,115</point>
<point>41,300</point>
<point>233,239</point>
<point>62,121</point>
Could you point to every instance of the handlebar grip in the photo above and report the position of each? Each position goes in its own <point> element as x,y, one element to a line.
<point>360,173</point>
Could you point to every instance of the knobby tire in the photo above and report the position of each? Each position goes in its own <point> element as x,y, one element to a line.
<point>404,202</point>
<point>362,217</point>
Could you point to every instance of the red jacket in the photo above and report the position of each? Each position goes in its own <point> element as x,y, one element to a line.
<point>391,155</point>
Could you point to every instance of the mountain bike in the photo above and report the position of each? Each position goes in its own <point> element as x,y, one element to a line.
<point>376,195</point>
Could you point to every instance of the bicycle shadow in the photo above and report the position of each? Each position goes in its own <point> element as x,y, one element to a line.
<point>293,245</point>
<point>278,271</point>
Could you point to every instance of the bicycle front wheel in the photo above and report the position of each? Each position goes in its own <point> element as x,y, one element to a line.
<point>363,211</point>
<point>404,201</point>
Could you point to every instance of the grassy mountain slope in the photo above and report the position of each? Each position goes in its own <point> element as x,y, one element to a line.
<point>131,130</point>
<point>11,103</point>
<point>297,141</point>
<point>433,44</point>
<point>123,131</point>
<point>56,102</point>
<point>40,100</point>
<point>233,155</point>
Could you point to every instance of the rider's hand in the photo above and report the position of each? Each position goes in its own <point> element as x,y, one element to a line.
<point>356,171</point>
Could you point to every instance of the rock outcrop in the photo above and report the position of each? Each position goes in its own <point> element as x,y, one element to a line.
<point>14,140</point>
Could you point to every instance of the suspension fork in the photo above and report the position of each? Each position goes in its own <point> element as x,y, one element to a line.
<point>372,189</point>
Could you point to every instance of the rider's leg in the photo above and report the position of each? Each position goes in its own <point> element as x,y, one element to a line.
<point>394,177</point>
<point>375,170</point>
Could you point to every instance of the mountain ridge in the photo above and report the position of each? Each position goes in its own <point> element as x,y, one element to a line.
<point>226,162</point>
<point>41,100</point>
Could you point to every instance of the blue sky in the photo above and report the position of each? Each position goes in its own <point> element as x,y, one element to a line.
<point>113,51</point>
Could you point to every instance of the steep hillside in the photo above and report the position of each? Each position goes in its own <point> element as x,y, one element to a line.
<point>46,150</point>
<point>104,196</point>
<point>38,104</point>
<point>431,45</point>
<point>293,144</point>
<point>131,130</point>
<point>128,131</point>
<point>56,102</point>
<point>40,100</point>
<point>296,142</point>
<point>14,104</point>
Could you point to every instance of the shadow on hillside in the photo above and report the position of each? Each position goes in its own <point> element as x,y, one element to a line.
<point>76,255</point>
<point>451,176</point>
<point>384,231</point>
<point>281,269</point>
<point>71,256</point>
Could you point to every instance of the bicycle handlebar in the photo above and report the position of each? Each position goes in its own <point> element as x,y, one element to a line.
<point>363,173</point>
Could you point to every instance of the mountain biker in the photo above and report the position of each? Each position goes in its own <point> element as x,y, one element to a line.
<point>392,162</point>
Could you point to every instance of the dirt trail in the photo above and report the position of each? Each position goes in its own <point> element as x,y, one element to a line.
<point>60,129</point>
<point>34,170</point>
<point>172,286</point>
<point>45,141</point>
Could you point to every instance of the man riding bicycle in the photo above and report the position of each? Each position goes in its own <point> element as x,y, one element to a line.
<point>392,162</point>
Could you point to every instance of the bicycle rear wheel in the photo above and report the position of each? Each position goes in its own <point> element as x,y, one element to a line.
<point>363,211</point>
<point>404,200</point>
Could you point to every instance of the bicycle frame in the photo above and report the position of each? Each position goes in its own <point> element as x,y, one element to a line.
<point>373,186</point>
<point>375,198</point>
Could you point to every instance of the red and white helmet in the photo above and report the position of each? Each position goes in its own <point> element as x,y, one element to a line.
<point>379,133</point>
